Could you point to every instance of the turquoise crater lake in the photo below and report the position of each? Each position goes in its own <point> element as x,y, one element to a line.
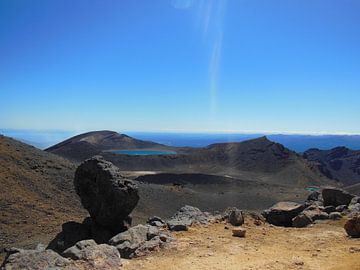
<point>143,152</point>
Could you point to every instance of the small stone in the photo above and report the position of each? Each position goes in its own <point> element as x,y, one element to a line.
<point>239,232</point>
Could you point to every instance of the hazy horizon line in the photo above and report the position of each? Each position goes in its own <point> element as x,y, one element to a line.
<point>234,132</point>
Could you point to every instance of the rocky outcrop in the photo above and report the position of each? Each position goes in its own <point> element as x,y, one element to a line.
<point>140,240</point>
<point>108,197</point>
<point>336,197</point>
<point>352,226</point>
<point>187,216</point>
<point>282,213</point>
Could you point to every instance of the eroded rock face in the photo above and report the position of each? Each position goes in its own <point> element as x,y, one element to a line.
<point>352,226</point>
<point>282,213</point>
<point>336,197</point>
<point>108,197</point>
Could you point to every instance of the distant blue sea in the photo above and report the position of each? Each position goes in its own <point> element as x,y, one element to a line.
<point>298,143</point>
<point>143,152</point>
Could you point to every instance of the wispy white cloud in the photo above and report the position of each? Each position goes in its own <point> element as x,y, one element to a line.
<point>213,19</point>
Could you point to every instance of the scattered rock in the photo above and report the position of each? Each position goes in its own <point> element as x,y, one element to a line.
<point>314,196</point>
<point>341,208</point>
<point>239,232</point>
<point>354,208</point>
<point>282,213</point>
<point>96,256</point>
<point>352,226</point>
<point>329,209</point>
<point>35,260</point>
<point>156,221</point>
<point>335,216</point>
<point>107,196</point>
<point>72,232</point>
<point>316,214</point>
<point>302,220</point>
<point>236,217</point>
<point>355,200</point>
<point>187,216</point>
<point>140,240</point>
<point>336,197</point>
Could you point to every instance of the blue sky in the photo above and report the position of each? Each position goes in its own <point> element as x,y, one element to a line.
<point>192,65</point>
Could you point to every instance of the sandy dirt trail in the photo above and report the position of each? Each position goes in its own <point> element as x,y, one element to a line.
<point>322,246</point>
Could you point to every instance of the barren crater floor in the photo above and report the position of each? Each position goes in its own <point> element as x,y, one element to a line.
<point>323,246</point>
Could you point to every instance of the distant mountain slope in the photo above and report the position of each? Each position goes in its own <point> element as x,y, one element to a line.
<point>257,159</point>
<point>354,189</point>
<point>86,145</point>
<point>341,163</point>
<point>36,196</point>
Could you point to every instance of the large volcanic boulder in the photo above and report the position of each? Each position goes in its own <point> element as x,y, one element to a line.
<point>336,197</point>
<point>282,213</point>
<point>107,195</point>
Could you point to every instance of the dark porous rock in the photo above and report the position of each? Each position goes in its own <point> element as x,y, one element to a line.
<point>107,196</point>
<point>329,209</point>
<point>352,226</point>
<point>235,217</point>
<point>301,221</point>
<point>36,260</point>
<point>96,256</point>
<point>156,221</point>
<point>187,216</point>
<point>139,240</point>
<point>335,216</point>
<point>341,208</point>
<point>336,197</point>
<point>72,232</point>
<point>282,213</point>
<point>314,196</point>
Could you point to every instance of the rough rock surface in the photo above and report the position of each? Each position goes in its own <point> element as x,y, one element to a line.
<point>336,197</point>
<point>335,216</point>
<point>35,260</point>
<point>156,221</point>
<point>187,216</point>
<point>315,213</point>
<point>352,226</point>
<point>235,217</point>
<point>108,197</point>
<point>282,213</point>
<point>239,232</point>
<point>301,221</point>
<point>314,196</point>
<point>96,256</point>
<point>139,240</point>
